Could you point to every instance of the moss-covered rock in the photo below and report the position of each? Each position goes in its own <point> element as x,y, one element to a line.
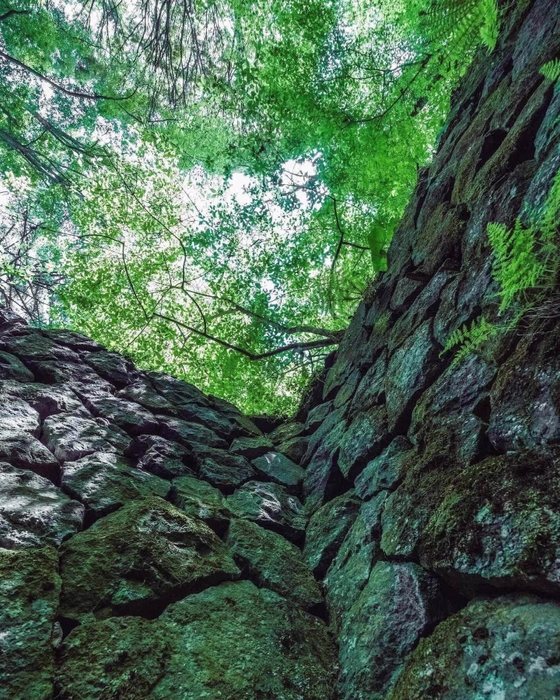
<point>233,642</point>
<point>507,647</point>
<point>29,589</point>
<point>199,499</point>
<point>270,561</point>
<point>138,560</point>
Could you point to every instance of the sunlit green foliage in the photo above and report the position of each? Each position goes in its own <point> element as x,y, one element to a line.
<point>209,189</point>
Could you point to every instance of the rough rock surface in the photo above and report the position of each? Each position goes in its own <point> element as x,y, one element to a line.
<point>408,485</point>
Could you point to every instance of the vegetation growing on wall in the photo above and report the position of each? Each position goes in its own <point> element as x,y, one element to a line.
<point>208,187</point>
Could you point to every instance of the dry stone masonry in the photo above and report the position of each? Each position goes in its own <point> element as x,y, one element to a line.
<point>398,540</point>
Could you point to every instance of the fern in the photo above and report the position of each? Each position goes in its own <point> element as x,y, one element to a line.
<point>551,70</point>
<point>469,339</point>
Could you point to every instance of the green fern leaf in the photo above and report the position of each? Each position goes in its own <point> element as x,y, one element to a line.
<point>551,70</point>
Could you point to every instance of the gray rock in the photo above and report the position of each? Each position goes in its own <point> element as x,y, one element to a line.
<point>371,389</point>
<point>113,367</point>
<point>525,398</point>
<point>446,414</point>
<point>350,569</point>
<point>411,369</point>
<point>162,457</point>
<point>17,416</point>
<point>128,416</point>
<point>75,341</point>
<point>142,391</point>
<point>200,500</point>
<point>24,451</point>
<point>223,469</point>
<point>71,437</point>
<point>317,415</point>
<point>188,433</point>
<point>507,647</point>
<point>280,469</point>
<point>33,512</point>
<point>497,525</point>
<point>251,447</point>
<point>323,478</point>
<point>285,432</point>
<point>398,605</point>
<point>44,398</point>
<point>29,588</point>
<point>326,531</point>
<point>365,438</point>
<point>233,642</point>
<point>271,506</point>
<point>12,368</point>
<point>386,471</point>
<point>294,448</point>
<point>138,560</point>
<point>272,562</point>
<point>104,482</point>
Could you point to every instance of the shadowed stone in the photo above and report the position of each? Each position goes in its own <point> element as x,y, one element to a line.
<point>29,588</point>
<point>33,512</point>
<point>12,368</point>
<point>271,506</point>
<point>272,562</point>
<point>251,447</point>
<point>384,472</point>
<point>280,469</point>
<point>507,647</point>
<point>200,500</point>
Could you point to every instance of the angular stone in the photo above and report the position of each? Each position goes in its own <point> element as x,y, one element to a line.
<point>138,560</point>
<point>323,478</point>
<point>525,398</point>
<point>33,512</point>
<point>71,437</point>
<point>188,433</point>
<point>31,344</point>
<point>326,531</point>
<point>44,398</point>
<point>104,482</point>
<point>224,470</point>
<point>497,525</point>
<point>398,605</point>
<point>142,391</point>
<point>199,500</point>
<point>112,367</point>
<point>371,389</point>
<point>350,569</point>
<point>128,416</point>
<point>75,341</point>
<point>75,375</point>
<point>272,562</point>
<point>317,415</point>
<point>29,588</point>
<point>280,469</point>
<point>384,472</point>
<point>215,421</point>
<point>177,391</point>
<point>323,433</point>
<point>17,416</point>
<point>162,457</point>
<point>411,369</point>
<point>24,451</point>
<point>271,506</point>
<point>250,447</point>
<point>364,439</point>
<point>233,642</point>
<point>446,413</point>
<point>285,432</point>
<point>507,647</point>
<point>12,368</point>
<point>294,448</point>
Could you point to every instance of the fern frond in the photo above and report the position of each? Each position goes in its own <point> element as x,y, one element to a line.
<point>468,339</point>
<point>551,70</point>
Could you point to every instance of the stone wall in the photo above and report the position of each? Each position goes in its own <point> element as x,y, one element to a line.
<point>400,540</point>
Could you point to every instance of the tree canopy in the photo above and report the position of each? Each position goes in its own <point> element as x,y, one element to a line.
<point>209,186</point>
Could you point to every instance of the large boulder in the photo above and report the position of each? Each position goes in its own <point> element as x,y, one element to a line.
<point>233,642</point>
<point>201,500</point>
<point>71,437</point>
<point>507,647</point>
<point>104,482</point>
<point>271,506</point>
<point>33,512</point>
<point>280,469</point>
<point>399,604</point>
<point>270,561</point>
<point>327,529</point>
<point>138,560</point>
<point>29,589</point>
